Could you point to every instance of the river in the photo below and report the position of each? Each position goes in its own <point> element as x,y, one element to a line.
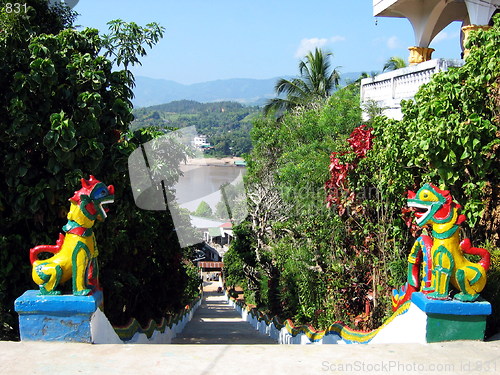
<point>202,183</point>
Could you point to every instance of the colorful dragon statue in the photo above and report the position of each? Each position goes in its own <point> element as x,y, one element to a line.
<point>75,252</point>
<point>435,262</point>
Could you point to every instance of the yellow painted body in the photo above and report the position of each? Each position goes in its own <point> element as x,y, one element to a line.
<point>452,244</point>
<point>73,258</point>
<point>74,253</point>
<point>435,208</point>
<point>437,261</point>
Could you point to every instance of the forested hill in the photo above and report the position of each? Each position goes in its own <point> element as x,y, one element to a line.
<point>194,107</point>
<point>227,124</point>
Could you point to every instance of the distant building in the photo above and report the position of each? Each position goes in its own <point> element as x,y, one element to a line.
<point>240,163</point>
<point>200,141</point>
<point>217,236</point>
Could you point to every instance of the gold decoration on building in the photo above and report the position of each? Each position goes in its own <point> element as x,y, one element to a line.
<point>466,30</point>
<point>419,54</point>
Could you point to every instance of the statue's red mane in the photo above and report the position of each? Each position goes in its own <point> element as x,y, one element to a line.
<point>87,186</point>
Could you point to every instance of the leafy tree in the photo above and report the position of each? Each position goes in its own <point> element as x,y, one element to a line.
<point>125,42</point>
<point>316,80</point>
<point>449,133</point>
<point>64,114</point>
<point>323,265</point>
<point>289,268</point>
<point>240,262</point>
<point>203,210</point>
<point>394,63</point>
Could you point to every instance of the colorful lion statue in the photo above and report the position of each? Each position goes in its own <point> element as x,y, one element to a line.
<point>75,252</point>
<point>437,262</point>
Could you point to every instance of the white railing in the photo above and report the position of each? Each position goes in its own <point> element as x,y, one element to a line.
<point>386,90</point>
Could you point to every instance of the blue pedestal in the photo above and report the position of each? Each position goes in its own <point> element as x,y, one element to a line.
<point>453,320</point>
<point>56,318</point>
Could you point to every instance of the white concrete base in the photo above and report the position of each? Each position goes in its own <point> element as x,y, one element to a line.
<point>104,333</point>
<point>409,327</point>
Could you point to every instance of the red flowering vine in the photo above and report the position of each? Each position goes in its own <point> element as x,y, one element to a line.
<point>360,141</point>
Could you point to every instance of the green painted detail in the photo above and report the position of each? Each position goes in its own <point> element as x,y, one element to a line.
<point>59,273</point>
<point>443,327</point>
<point>460,275</point>
<point>95,266</point>
<point>42,274</point>
<point>414,251</point>
<point>73,224</point>
<point>127,332</point>
<point>440,274</point>
<point>46,278</point>
<point>409,275</point>
<point>46,292</point>
<point>450,232</point>
<point>476,278</point>
<point>85,200</point>
<point>80,246</point>
<point>413,260</point>
<point>466,297</point>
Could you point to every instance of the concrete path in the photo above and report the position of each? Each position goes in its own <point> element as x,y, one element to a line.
<point>38,358</point>
<point>460,357</point>
<point>216,322</point>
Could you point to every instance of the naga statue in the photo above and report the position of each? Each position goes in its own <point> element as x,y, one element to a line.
<point>437,261</point>
<point>75,252</point>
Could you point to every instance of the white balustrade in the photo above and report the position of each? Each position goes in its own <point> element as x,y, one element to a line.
<point>388,89</point>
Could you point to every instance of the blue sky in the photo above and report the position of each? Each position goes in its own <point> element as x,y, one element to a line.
<point>220,39</point>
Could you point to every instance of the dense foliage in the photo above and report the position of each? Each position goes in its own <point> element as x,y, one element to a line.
<point>226,124</point>
<point>449,135</point>
<point>298,259</point>
<point>284,255</point>
<point>64,114</point>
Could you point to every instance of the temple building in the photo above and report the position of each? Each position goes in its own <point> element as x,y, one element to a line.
<point>428,18</point>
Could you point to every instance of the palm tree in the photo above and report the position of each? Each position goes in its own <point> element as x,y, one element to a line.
<point>316,80</point>
<point>394,63</point>
<point>362,75</point>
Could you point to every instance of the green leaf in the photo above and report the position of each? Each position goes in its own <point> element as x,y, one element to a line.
<point>465,155</point>
<point>50,139</point>
<point>475,143</point>
<point>22,170</point>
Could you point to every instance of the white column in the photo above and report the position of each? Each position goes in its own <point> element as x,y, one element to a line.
<point>480,12</point>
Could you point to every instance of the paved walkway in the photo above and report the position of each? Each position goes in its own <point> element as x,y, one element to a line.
<point>216,322</point>
<point>41,358</point>
<point>460,357</point>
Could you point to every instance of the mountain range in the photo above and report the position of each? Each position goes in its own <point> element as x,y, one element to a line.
<point>152,91</point>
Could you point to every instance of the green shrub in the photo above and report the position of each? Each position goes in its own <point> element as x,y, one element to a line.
<point>64,114</point>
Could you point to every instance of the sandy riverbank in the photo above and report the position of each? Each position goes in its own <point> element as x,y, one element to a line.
<point>214,162</point>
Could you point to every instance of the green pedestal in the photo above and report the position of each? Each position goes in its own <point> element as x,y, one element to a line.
<point>453,320</point>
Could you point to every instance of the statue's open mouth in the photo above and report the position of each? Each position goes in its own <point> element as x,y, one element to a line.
<point>105,209</point>
<point>420,210</point>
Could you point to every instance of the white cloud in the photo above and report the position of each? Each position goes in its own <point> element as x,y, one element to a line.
<point>443,35</point>
<point>393,42</point>
<point>337,38</point>
<point>307,45</point>
<point>310,44</point>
